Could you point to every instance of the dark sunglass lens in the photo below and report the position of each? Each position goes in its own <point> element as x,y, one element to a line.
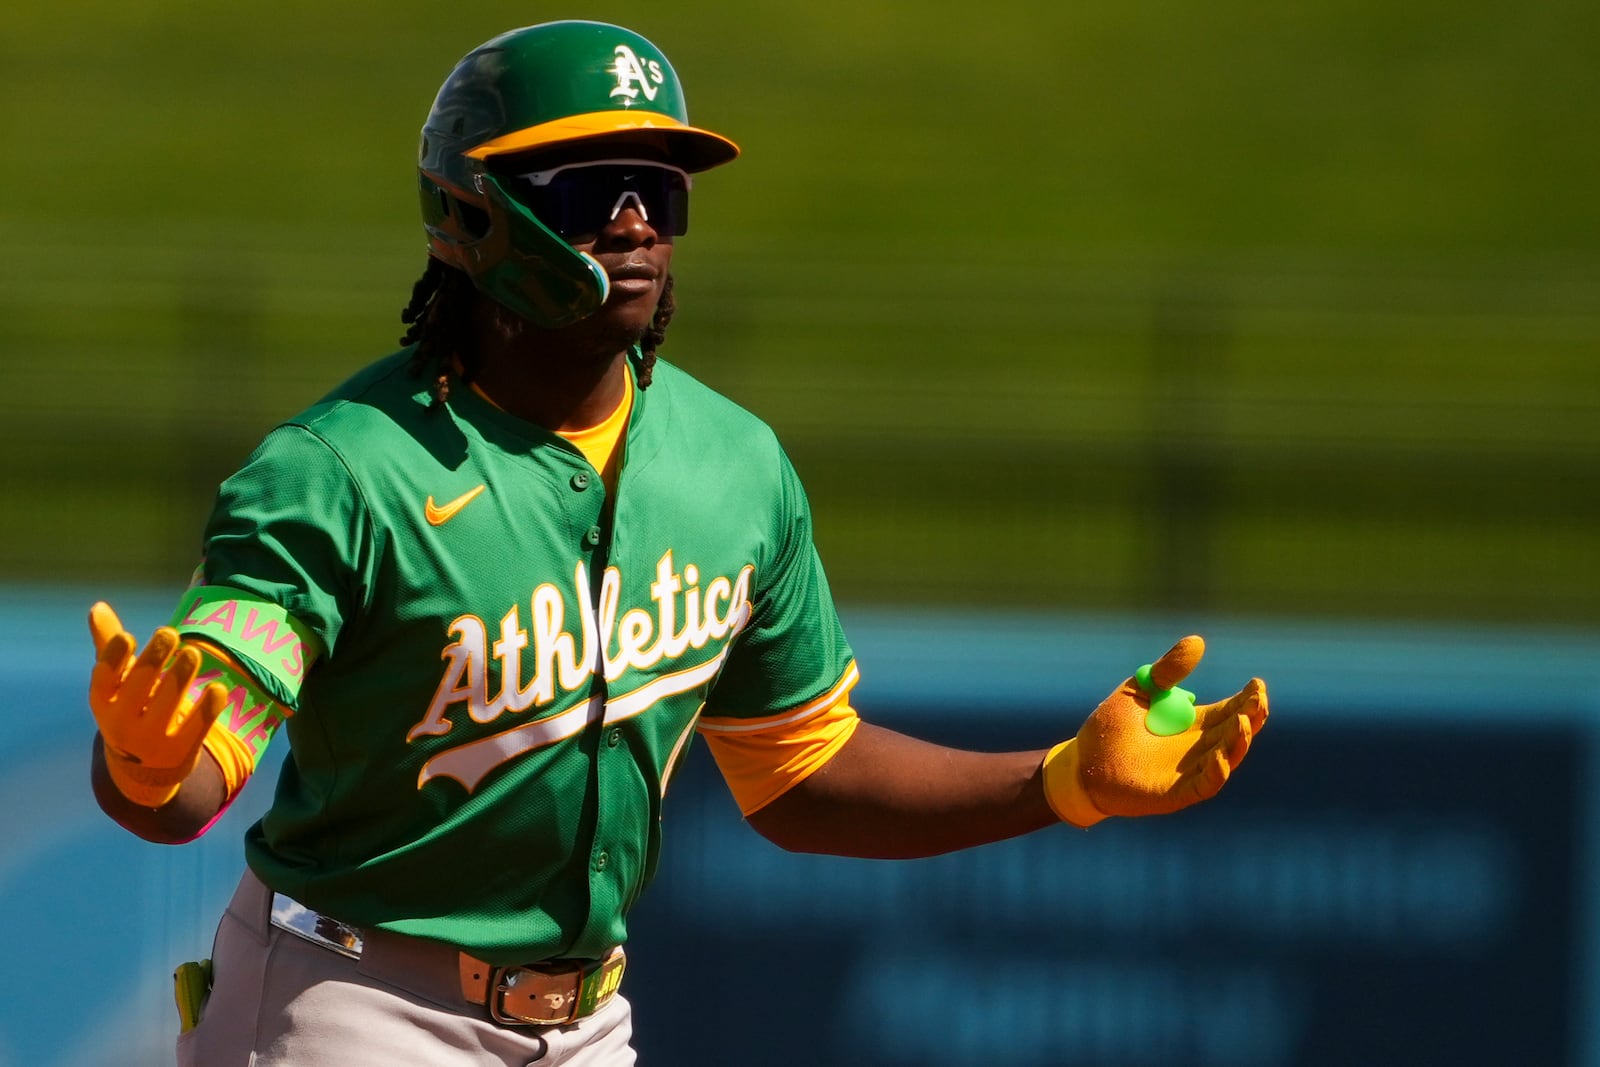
<point>583,200</point>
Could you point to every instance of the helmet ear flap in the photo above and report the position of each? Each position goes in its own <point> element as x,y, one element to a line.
<point>510,255</point>
<point>529,268</point>
<point>451,220</point>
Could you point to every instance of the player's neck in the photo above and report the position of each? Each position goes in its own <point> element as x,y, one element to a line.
<point>557,398</point>
<point>568,379</point>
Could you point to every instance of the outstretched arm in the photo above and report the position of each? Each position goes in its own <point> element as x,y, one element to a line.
<point>1146,750</point>
<point>149,769</point>
<point>889,796</point>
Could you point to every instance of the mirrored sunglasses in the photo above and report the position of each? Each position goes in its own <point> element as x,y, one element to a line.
<point>579,199</point>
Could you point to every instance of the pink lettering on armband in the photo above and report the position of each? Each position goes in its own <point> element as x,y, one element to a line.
<point>262,637</point>
<point>222,617</point>
<point>249,714</point>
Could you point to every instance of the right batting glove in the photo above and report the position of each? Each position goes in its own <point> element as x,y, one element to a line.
<point>152,729</point>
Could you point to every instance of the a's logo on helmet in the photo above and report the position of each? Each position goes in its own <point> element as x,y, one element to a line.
<point>634,76</point>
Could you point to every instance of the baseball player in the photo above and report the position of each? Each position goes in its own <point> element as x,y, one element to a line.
<point>493,585</point>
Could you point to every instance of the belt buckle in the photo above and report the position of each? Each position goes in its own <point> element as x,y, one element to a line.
<point>531,995</point>
<point>523,996</point>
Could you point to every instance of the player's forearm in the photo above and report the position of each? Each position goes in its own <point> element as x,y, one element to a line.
<point>888,796</point>
<point>181,819</point>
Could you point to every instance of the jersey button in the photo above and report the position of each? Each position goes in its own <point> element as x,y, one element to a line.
<point>593,536</point>
<point>613,737</point>
<point>600,861</point>
<point>580,481</point>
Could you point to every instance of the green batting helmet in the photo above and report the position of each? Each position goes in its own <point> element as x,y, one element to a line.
<point>543,87</point>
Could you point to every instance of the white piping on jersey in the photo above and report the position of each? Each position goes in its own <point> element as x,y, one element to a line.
<point>804,711</point>
<point>470,763</point>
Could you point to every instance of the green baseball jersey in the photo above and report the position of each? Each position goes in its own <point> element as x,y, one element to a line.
<point>510,668</point>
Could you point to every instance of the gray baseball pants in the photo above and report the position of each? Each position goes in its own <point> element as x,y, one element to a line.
<point>279,1000</point>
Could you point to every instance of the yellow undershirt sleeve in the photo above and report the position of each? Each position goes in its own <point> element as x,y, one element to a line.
<point>761,759</point>
<point>233,758</point>
<point>236,756</point>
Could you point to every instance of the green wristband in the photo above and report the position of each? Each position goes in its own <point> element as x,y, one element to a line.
<point>276,647</point>
<point>1171,710</point>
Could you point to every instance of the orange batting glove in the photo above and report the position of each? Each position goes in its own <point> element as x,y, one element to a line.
<point>152,730</point>
<point>1148,750</point>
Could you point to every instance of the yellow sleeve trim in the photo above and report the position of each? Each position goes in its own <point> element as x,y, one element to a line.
<point>761,759</point>
<point>841,690</point>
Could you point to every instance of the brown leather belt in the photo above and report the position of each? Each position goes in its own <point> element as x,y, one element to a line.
<point>548,993</point>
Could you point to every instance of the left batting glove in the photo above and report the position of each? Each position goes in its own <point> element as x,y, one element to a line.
<point>1148,750</point>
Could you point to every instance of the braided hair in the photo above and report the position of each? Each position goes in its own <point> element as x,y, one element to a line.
<point>438,320</point>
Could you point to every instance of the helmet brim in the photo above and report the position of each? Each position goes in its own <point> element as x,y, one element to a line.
<point>688,147</point>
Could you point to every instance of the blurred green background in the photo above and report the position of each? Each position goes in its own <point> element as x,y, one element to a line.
<point>1234,308</point>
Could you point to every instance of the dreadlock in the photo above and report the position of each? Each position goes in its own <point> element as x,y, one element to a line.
<point>656,333</point>
<point>439,324</point>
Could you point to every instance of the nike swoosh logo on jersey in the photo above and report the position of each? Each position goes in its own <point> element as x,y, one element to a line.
<point>438,516</point>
